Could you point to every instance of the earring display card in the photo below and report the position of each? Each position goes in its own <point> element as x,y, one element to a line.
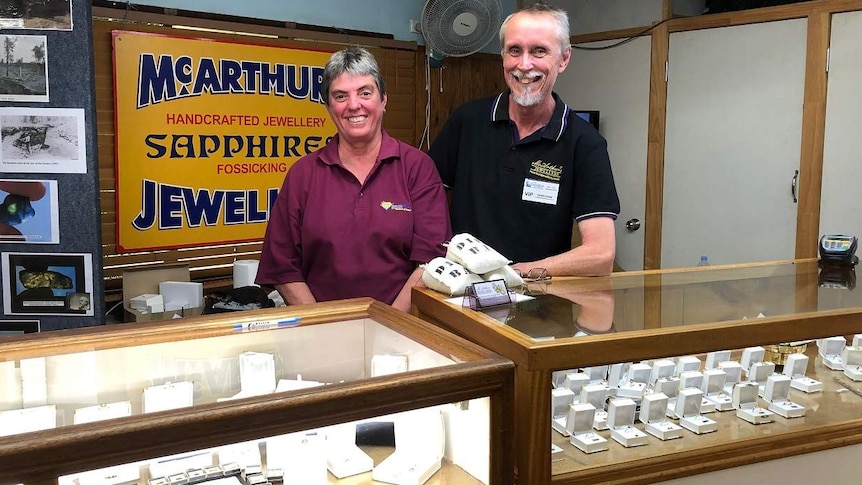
<point>18,421</point>
<point>171,395</point>
<point>102,412</point>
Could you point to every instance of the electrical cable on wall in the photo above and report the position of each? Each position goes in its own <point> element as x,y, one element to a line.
<point>624,41</point>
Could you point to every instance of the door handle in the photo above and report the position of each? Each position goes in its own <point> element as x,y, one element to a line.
<point>794,186</point>
<point>633,225</point>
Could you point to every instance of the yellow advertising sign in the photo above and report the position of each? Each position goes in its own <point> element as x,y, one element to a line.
<point>205,131</point>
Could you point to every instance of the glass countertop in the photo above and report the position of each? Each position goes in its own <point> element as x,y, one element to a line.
<point>576,307</point>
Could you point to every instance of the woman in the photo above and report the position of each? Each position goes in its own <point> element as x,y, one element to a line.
<point>358,216</point>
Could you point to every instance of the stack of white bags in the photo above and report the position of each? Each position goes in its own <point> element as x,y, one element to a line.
<point>468,260</point>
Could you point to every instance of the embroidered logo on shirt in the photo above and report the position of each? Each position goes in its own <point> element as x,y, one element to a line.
<point>396,207</point>
<point>546,170</point>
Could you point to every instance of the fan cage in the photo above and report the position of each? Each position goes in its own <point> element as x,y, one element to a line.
<point>438,18</point>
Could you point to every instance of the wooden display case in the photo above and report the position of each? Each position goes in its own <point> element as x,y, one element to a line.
<point>629,317</point>
<point>334,342</point>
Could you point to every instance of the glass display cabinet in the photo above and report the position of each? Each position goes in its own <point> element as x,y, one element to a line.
<point>255,397</point>
<point>617,334</point>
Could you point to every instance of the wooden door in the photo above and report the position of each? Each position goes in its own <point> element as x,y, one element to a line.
<point>732,146</point>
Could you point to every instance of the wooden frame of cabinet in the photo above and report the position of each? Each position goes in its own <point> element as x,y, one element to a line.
<point>818,14</point>
<point>41,457</point>
<point>535,361</point>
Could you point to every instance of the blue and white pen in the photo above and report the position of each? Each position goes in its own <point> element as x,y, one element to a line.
<point>266,324</point>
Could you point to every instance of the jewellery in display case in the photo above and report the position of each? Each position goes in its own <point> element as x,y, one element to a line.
<point>661,369</point>
<point>687,410</point>
<point>558,376</point>
<point>419,449</point>
<point>34,382</point>
<point>745,402</point>
<point>170,395</point>
<point>830,349</point>
<point>759,373</point>
<point>167,466</point>
<point>285,385</point>
<point>243,455</point>
<point>596,394</point>
<point>794,367</point>
<point>598,374</point>
<point>343,457</point>
<point>180,478</point>
<point>662,378</point>
<point>751,356</point>
<point>256,373</point>
<point>561,399</point>
<point>227,474</point>
<point>616,374</point>
<point>275,475</point>
<point>252,470</point>
<point>852,358</point>
<point>102,412</point>
<point>256,479</point>
<point>713,389</point>
<point>231,469</point>
<point>694,379</point>
<point>621,420</point>
<point>713,359</point>
<point>113,475</point>
<point>580,425</point>
<point>212,471</point>
<point>733,371</point>
<point>776,394</point>
<point>17,421</point>
<point>687,363</point>
<point>301,455</point>
<point>574,381</point>
<point>388,364</point>
<point>635,383</point>
<point>652,414</point>
<point>196,476</point>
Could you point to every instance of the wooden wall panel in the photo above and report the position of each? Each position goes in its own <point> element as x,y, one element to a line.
<point>459,80</point>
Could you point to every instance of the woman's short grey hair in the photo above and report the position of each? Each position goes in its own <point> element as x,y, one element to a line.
<point>559,15</point>
<point>352,60</point>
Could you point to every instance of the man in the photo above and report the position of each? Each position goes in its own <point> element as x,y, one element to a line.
<point>522,166</point>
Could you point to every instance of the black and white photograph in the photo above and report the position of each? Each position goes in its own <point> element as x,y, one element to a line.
<point>42,140</point>
<point>36,14</point>
<point>47,283</point>
<point>24,68</point>
<point>78,302</point>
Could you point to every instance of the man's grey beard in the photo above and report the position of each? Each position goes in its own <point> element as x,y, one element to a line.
<point>527,100</point>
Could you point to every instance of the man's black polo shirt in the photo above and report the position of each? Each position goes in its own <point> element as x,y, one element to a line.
<point>520,197</point>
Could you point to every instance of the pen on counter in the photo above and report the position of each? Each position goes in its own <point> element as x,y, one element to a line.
<point>266,324</point>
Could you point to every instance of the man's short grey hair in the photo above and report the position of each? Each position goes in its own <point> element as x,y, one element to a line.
<point>559,15</point>
<point>356,61</point>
